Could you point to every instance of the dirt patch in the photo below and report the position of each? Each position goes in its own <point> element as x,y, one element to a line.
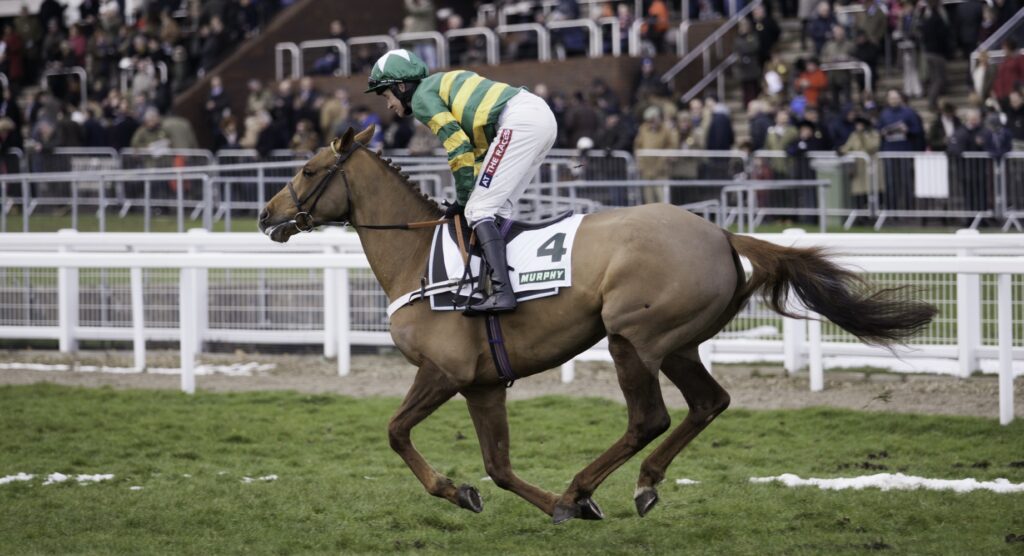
<point>751,386</point>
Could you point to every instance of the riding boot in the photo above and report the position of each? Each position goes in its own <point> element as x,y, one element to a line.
<point>502,298</point>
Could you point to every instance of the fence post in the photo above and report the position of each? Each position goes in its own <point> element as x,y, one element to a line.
<point>67,301</point>
<point>817,369</point>
<point>1005,349</point>
<point>343,324</point>
<point>330,302</point>
<point>186,325</point>
<point>568,371</point>
<point>207,202</point>
<point>968,312</point>
<point>138,319</point>
<point>202,296</point>
<point>704,352</point>
<point>793,330</point>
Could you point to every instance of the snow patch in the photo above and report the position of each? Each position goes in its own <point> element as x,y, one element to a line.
<point>687,482</point>
<point>235,369</point>
<point>895,481</point>
<point>265,478</point>
<point>18,477</point>
<point>134,488</point>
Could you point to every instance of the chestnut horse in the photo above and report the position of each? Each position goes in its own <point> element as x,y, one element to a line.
<point>655,280</point>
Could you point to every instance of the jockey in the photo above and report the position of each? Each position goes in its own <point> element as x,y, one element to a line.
<point>496,137</point>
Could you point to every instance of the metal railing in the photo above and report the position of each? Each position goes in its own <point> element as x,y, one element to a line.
<point>543,37</point>
<point>77,71</point>
<point>595,41</point>
<point>997,37</point>
<point>852,66</point>
<point>344,57</point>
<point>292,49</point>
<point>703,50</point>
<point>490,39</point>
<point>439,40</point>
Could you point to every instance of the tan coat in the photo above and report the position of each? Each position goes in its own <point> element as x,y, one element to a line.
<point>777,140</point>
<point>654,136</point>
<point>866,141</point>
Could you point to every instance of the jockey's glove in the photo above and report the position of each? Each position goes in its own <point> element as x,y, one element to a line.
<point>451,209</point>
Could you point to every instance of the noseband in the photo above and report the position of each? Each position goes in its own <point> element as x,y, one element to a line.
<point>303,219</point>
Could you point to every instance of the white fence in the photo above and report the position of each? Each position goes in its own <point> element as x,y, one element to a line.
<point>240,288</point>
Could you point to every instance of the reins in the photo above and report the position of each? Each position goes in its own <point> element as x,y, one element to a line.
<point>303,219</point>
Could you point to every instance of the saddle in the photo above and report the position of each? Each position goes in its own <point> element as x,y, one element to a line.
<point>510,229</point>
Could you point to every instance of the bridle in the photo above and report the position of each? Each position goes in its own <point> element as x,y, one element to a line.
<point>303,219</point>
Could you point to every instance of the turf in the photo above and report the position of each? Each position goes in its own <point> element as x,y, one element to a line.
<point>341,489</point>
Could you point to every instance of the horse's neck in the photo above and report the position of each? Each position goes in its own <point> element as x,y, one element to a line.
<point>380,197</point>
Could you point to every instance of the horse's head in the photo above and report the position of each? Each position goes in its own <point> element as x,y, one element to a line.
<point>316,194</point>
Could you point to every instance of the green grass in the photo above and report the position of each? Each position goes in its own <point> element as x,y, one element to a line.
<point>341,489</point>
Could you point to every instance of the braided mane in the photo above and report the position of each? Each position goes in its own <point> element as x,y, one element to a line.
<point>397,170</point>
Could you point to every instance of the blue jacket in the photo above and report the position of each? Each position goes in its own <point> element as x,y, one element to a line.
<point>893,139</point>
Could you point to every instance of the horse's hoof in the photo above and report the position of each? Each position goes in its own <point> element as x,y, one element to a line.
<point>590,510</point>
<point>565,513</point>
<point>469,498</point>
<point>645,499</point>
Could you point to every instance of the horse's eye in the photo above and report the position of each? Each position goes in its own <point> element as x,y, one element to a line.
<point>307,172</point>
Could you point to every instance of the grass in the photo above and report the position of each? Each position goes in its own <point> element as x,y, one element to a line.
<point>341,489</point>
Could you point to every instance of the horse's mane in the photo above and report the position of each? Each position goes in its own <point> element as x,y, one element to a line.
<point>404,179</point>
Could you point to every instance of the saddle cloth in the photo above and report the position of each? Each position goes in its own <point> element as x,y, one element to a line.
<point>539,260</point>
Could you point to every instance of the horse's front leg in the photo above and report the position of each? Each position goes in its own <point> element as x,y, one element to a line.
<point>487,408</point>
<point>430,389</point>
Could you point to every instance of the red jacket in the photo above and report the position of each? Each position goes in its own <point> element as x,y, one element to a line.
<point>1009,75</point>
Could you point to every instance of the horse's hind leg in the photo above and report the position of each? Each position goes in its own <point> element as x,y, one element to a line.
<point>648,418</point>
<point>430,389</point>
<point>706,399</point>
<point>487,408</point>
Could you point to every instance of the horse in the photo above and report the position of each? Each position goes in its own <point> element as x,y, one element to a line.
<point>656,280</point>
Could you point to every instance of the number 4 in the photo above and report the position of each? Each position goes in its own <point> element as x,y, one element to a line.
<point>553,247</point>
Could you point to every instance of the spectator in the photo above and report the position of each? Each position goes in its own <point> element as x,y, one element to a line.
<point>747,68</point>
<point>616,135</point>
<point>151,135</point>
<point>305,139</point>
<point>778,138</point>
<point>1009,74</point>
<point>259,98</point>
<point>690,139</point>
<point>812,82</point>
<point>718,136</point>
<point>282,108</point>
<point>1015,119</point>
<point>820,26</point>
<point>901,130</point>
<point>943,128</point>
<point>420,19</point>
<point>761,120</point>
<point>581,120</point>
<point>872,25</point>
<point>968,24</point>
<point>808,139</point>
<point>227,136</point>
<point>654,134</point>
<point>273,135</point>
<point>180,132</point>
<point>649,82</point>
<point>8,135</point>
<point>864,139</point>
<point>656,25</point>
<point>768,32</point>
<point>398,133</point>
<point>122,129</point>
<point>330,62</point>
<point>334,114</point>
<point>308,101</point>
<point>214,41</point>
<point>989,23</point>
<point>970,137</point>
<point>838,49</point>
<point>423,142</point>
<point>365,118</point>
<point>217,104</point>
<point>571,41</point>
<point>822,136</point>
<point>983,76</point>
<point>938,48</point>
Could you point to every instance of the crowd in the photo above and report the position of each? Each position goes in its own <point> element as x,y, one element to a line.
<point>135,63</point>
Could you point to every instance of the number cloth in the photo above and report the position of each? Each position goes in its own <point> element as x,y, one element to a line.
<point>541,259</point>
<point>496,137</point>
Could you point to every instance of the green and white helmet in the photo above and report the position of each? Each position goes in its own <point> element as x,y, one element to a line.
<point>396,66</point>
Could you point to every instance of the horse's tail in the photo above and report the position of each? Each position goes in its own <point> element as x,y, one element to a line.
<point>881,317</point>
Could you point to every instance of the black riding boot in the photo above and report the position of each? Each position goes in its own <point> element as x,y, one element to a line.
<point>502,298</point>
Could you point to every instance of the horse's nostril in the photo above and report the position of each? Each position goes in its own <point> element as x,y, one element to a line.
<point>264,215</point>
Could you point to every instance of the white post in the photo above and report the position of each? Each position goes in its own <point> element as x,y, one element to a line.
<point>817,370</point>
<point>1005,350</point>
<point>794,331</point>
<point>704,353</point>
<point>331,303</point>
<point>343,324</point>
<point>138,319</point>
<point>201,297</point>
<point>187,323</point>
<point>67,302</point>
<point>568,371</point>
<point>968,313</point>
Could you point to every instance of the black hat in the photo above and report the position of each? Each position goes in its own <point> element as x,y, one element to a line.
<point>807,123</point>
<point>862,119</point>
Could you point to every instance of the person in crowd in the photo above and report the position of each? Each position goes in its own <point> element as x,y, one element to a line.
<point>1010,73</point>
<point>808,139</point>
<point>863,139</point>
<point>656,25</point>
<point>1015,119</point>
<point>654,134</point>
<point>760,119</point>
<point>822,136</point>
<point>820,25</point>
<point>901,130</point>
<point>335,114</point>
<point>812,82</point>
<point>151,135</point>
<point>259,97</point>
<point>872,25</point>
<point>967,22</point>
<point>307,101</point>
<point>217,104</point>
<point>421,18</point>
<point>937,46</point>
<point>778,138</point>
<point>943,128</point>
<point>180,132</point>
<point>972,192</point>
<point>983,76</point>
<point>227,136</point>
<point>838,49</point>
<point>617,133</point>
<point>330,61</point>
<point>767,30</point>
<point>306,138</point>
<point>686,167</point>
<point>718,135</point>
<point>747,68</point>
<point>581,119</point>
<point>989,23</point>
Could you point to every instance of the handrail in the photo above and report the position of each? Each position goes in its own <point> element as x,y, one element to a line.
<point>852,65</point>
<point>344,58</point>
<point>483,10</point>
<point>713,75</point>
<point>706,44</point>
<point>386,40</point>
<point>77,70</point>
<point>634,37</point>
<point>594,32</point>
<point>279,50</point>
<point>616,33</point>
<point>997,37</point>
<point>543,37</point>
<point>438,38</point>
<point>490,37</point>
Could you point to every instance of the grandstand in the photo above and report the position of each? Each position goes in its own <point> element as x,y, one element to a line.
<point>859,106</point>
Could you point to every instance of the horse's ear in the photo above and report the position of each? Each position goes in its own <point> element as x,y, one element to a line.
<point>365,135</point>
<point>344,142</point>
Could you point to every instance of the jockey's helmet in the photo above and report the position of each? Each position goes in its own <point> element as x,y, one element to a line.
<point>394,67</point>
